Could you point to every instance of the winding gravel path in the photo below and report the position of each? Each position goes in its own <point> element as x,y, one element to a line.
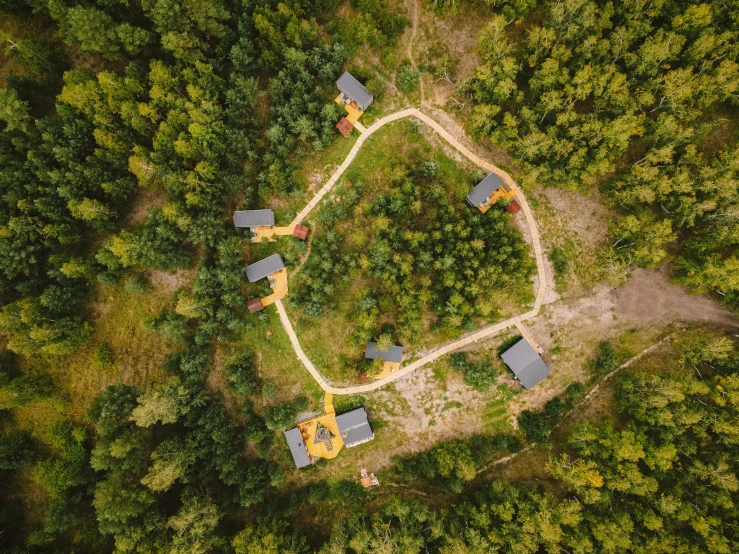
<point>483,333</point>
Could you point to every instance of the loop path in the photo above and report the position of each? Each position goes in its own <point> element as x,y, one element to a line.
<point>485,332</point>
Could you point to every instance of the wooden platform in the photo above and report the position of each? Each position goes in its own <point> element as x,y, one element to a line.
<point>352,111</point>
<point>322,449</point>
<point>388,368</point>
<point>269,233</point>
<point>497,195</point>
<point>279,288</point>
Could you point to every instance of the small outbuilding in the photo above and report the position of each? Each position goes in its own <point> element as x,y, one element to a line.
<point>345,126</point>
<point>513,207</point>
<point>488,192</point>
<point>526,364</point>
<point>250,219</point>
<point>353,91</point>
<point>354,427</point>
<point>264,268</point>
<point>301,232</point>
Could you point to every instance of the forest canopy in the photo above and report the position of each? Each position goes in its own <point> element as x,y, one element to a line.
<point>130,131</point>
<point>638,99</point>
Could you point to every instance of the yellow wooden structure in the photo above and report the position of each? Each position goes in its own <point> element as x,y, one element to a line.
<point>321,433</point>
<point>353,112</point>
<point>388,368</point>
<point>269,233</point>
<point>278,283</point>
<point>493,198</point>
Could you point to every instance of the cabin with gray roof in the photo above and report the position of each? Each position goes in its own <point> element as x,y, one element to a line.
<point>264,268</point>
<point>297,448</point>
<point>353,90</point>
<point>254,218</point>
<point>392,354</point>
<point>354,427</point>
<point>525,363</point>
<point>484,190</point>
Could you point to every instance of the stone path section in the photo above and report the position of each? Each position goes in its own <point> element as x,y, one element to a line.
<point>484,333</point>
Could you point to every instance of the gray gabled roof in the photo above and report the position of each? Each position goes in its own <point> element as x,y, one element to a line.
<point>481,192</point>
<point>392,354</point>
<point>262,268</point>
<point>354,427</point>
<point>254,218</point>
<point>354,90</point>
<point>297,447</point>
<point>525,363</point>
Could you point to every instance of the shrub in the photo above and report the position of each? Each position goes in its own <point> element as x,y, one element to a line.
<point>280,416</point>
<point>480,376</point>
<point>15,448</point>
<point>242,374</point>
<point>458,361</point>
<point>104,355</point>
<point>555,409</point>
<point>301,403</point>
<point>24,390</point>
<point>384,342</point>
<point>429,169</point>
<point>376,87</point>
<point>313,309</point>
<point>606,360</point>
<point>574,392</point>
<point>194,363</point>
<point>504,441</point>
<point>534,426</point>
<point>407,78</point>
<point>138,284</point>
<point>348,491</point>
<point>443,6</point>
<point>170,324</point>
<point>476,176</point>
<point>276,475</point>
<point>269,390</point>
<point>560,262</point>
<point>513,443</point>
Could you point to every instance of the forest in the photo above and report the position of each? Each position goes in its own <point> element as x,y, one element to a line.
<point>130,131</point>
<point>638,99</point>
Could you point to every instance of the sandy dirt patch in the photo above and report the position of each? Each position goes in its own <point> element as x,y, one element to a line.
<point>145,200</point>
<point>170,281</point>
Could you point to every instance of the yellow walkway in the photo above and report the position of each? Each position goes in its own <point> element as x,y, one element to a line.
<point>279,289</point>
<point>269,233</point>
<point>484,333</point>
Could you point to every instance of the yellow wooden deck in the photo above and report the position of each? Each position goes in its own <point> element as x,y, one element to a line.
<point>320,449</point>
<point>279,288</point>
<point>388,368</point>
<point>353,112</point>
<point>270,233</point>
<point>328,404</point>
<point>497,195</point>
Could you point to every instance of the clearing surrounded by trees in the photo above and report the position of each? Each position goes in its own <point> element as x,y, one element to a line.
<point>152,400</point>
